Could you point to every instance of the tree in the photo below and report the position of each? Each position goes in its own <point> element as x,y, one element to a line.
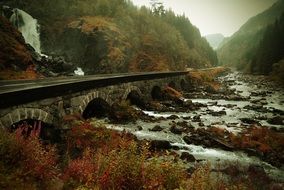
<point>158,8</point>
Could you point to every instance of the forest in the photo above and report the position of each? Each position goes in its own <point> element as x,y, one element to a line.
<point>104,36</point>
<point>270,50</point>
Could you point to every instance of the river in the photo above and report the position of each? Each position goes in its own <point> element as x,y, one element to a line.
<point>253,100</point>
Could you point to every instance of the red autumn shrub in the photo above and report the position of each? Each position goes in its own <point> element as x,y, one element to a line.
<point>81,170</point>
<point>37,160</point>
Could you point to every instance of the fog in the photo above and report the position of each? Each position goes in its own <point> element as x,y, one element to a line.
<point>216,16</point>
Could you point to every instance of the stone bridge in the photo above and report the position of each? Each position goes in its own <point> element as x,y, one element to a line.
<point>49,100</point>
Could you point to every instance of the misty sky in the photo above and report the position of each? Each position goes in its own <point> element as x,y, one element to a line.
<point>216,16</point>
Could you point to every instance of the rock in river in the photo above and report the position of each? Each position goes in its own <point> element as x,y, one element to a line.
<point>188,157</point>
<point>160,145</point>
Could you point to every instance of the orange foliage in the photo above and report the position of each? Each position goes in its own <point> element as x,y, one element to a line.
<point>220,132</point>
<point>148,62</point>
<point>261,139</point>
<point>10,75</point>
<point>115,54</point>
<point>172,92</point>
<point>89,23</point>
<point>207,76</point>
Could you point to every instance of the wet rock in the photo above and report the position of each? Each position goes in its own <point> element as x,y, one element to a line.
<point>122,112</point>
<point>175,147</point>
<point>201,124</point>
<point>190,105</point>
<point>232,170</point>
<point>193,139</point>
<point>156,128</point>
<point>277,111</point>
<point>261,93</point>
<point>213,103</point>
<point>261,117</point>
<point>187,157</point>
<point>176,130</point>
<point>173,117</point>
<point>230,105</point>
<point>278,120</point>
<point>218,113</point>
<point>186,117</point>
<point>139,128</point>
<point>235,98</point>
<point>210,89</point>
<point>253,152</point>
<point>160,145</point>
<point>196,118</point>
<point>183,124</point>
<point>249,121</point>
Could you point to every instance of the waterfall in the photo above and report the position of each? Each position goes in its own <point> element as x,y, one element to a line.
<point>28,26</point>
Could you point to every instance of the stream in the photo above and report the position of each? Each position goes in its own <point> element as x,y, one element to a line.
<point>255,100</point>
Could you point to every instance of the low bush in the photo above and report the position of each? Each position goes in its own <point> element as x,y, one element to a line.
<point>25,160</point>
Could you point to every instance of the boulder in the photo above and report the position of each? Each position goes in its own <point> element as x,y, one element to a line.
<point>176,130</point>
<point>278,120</point>
<point>187,157</point>
<point>160,145</point>
<point>156,128</point>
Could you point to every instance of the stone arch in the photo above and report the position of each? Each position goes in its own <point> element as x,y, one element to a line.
<point>129,90</point>
<point>156,93</point>
<point>81,102</point>
<point>97,107</point>
<point>20,114</point>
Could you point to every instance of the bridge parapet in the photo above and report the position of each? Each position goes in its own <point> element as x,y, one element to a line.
<point>52,110</point>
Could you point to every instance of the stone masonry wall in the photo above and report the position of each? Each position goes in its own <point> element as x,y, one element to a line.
<point>53,109</point>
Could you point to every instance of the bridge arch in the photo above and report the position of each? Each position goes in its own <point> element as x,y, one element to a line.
<point>97,107</point>
<point>21,114</point>
<point>79,103</point>
<point>129,90</point>
<point>156,93</point>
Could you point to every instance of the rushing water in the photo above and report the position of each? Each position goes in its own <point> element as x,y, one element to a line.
<point>235,110</point>
<point>28,26</point>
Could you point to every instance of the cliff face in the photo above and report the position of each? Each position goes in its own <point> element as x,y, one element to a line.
<point>95,44</point>
<point>16,60</point>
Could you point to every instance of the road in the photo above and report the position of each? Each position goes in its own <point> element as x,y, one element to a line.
<point>15,92</point>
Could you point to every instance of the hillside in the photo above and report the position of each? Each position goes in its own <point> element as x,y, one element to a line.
<point>103,36</point>
<point>16,59</point>
<point>270,51</point>
<point>215,40</point>
<point>239,49</point>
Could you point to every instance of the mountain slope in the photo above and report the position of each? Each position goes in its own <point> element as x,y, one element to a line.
<point>239,49</point>
<point>270,50</point>
<point>105,36</point>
